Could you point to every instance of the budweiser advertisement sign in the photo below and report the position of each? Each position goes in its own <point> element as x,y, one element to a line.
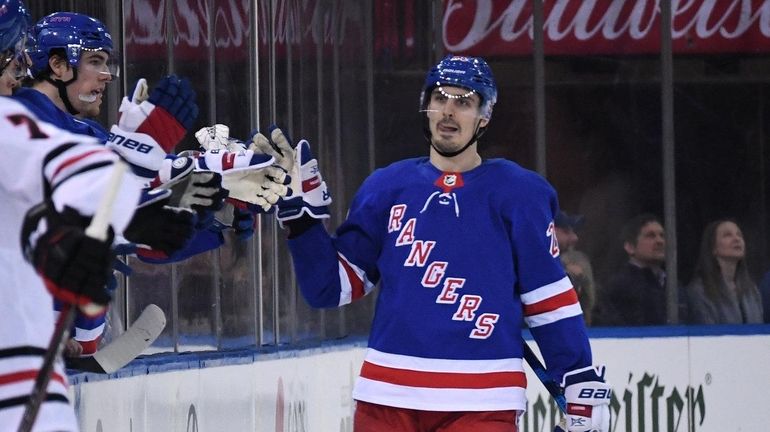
<point>577,27</point>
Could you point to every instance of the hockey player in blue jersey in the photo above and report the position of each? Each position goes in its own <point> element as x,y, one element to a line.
<point>464,252</point>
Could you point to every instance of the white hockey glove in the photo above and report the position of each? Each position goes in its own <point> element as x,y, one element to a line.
<point>217,137</point>
<point>262,184</point>
<point>588,400</point>
<point>278,146</point>
<point>152,123</point>
<point>310,195</point>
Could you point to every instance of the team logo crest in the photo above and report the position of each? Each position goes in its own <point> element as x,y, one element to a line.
<point>449,181</point>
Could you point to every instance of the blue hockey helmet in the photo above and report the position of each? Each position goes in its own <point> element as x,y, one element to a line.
<point>14,21</point>
<point>472,73</point>
<point>72,32</point>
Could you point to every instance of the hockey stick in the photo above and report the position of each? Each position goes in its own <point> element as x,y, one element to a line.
<point>126,347</point>
<point>97,229</point>
<point>537,367</point>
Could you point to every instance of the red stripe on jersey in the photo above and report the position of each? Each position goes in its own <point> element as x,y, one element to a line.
<point>74,160</point>
<point>413,378</point>
<point>15,377</point>
<point>551,303</point>
<point>356,284</point>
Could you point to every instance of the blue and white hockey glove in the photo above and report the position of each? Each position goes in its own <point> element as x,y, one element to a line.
<point>200,191</point>
<point>151,125</point>
<point>250,174</point>
<point>588,400</point>
<point>309,194</point>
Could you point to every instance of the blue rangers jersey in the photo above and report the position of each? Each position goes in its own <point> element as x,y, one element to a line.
<point>463,261</point>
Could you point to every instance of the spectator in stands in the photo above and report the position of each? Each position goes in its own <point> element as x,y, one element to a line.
<point>722,291</point>
<point>567,227</point>
<point>636,294</point>
<point>764,291</point>
<point>578,268</point>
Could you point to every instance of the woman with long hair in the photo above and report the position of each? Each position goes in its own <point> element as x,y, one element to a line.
<point>722,291</point>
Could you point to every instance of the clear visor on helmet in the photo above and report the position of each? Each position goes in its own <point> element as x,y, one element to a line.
<point>455,101</point>
<point>15,62</point>
<point>107,63</point>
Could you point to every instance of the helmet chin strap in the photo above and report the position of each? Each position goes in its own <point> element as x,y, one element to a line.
<point>61,86</point>
<point>476,135</point>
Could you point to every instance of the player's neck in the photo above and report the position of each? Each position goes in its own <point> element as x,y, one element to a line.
<point>51,93</point>
<point>465,161</point>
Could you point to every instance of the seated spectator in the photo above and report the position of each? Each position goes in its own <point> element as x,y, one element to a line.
<point>722,291</point>
<point>567,227</point>
<point>764,291</point>
<point>636,295</point>
<point>580,272</point>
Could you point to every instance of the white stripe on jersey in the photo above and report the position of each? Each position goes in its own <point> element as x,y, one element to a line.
<point>553,316</point>
<point>429,399</point>
<point>546,291</point>
<point>443,365</point>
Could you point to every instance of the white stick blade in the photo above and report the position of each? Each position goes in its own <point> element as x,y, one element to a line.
<point>139,336</point>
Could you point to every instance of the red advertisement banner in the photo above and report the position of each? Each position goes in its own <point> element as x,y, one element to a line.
<point>577,27</point>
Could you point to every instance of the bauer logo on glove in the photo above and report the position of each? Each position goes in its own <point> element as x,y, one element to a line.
<point>152,123</point>
<point>588,400</point>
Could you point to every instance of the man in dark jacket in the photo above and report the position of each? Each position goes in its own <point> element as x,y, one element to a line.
<point>636,294</point>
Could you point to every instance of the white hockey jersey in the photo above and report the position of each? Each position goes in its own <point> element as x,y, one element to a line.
<point>38,157</point>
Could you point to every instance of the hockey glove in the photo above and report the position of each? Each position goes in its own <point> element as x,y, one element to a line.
<point>269,183</point>
<point>236,217</point>
<point>248,175</point>
<point>588,400</point>
<point>160,226</point>
<point>200,191</point>
<point>150,126</point>
<point>75,267</point>
<point>310,196</point>
<point>217,137</point>
<point>279,146</point>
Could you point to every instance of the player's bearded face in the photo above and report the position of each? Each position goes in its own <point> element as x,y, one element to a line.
<point>87,91</point>
<point>453,116</point>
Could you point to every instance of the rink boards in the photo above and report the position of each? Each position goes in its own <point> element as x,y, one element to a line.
<point>665,379</point>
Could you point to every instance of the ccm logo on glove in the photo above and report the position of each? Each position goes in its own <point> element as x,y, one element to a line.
<point>129,143</point>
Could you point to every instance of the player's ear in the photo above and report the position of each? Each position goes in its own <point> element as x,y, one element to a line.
<point>484,122</point>
<point>58,65</point>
